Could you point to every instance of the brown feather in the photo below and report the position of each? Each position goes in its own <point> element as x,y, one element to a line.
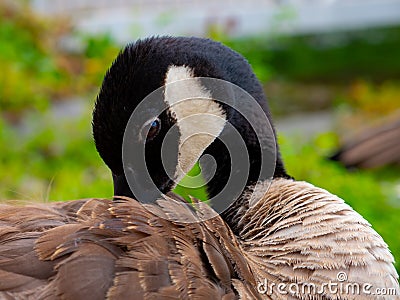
<point>373,146</point>
<point>119,249</point>
<point>300,233</point>
<point>95,249</point>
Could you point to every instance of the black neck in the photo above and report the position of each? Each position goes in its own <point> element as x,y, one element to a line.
<point>121,186</point>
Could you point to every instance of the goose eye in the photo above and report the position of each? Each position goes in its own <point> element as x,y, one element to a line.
<point>153,127</point>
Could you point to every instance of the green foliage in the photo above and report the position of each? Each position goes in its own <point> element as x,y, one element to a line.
<point>51,160</point>
<point>98,53</point>
<point>36,69</point>
<point>374,99</point>
<point>333,56</point>
<point>373,194</point>
<point>193,184</point>
<point>339,56</point>
<point>27,67</point>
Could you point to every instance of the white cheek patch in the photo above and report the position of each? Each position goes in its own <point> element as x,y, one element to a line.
<point>200,119</point>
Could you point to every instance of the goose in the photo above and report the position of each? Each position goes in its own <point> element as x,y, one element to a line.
<point>373,146</point>
<point>277,239</point>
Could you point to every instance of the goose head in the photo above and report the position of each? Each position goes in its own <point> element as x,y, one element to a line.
<point>149,137</point>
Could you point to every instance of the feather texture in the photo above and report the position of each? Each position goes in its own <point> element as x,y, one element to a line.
<point>301,234</point>
<point>372,146</point>
<point>118,250</point>
<point>296,234</point>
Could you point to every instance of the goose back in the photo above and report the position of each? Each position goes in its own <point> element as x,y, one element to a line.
<point>373,146</point>
<point>96,249</point>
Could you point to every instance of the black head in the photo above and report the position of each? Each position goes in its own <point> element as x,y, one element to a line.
<point>147,65</point>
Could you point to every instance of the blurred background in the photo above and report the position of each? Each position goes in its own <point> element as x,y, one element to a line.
<point>331,71</point>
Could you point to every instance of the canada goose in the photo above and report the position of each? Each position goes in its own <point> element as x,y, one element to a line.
<point>374,146</point>
<point>92,249</point>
